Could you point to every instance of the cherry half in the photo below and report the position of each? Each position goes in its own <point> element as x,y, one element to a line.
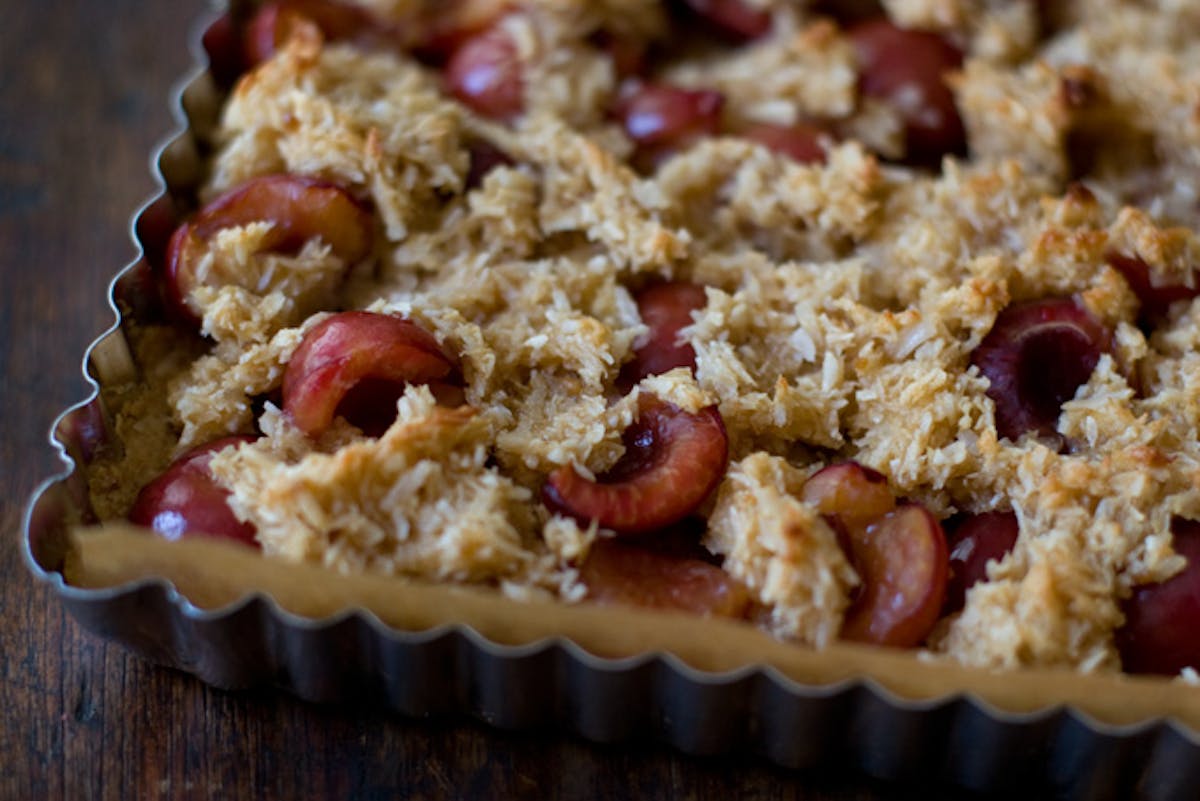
<point>649,575</point>
<point>800,142</point>
<point>185,500</point>
<point>902,560</point>
<point>484,157</point>
<point>734,19</point>
<point>907,69</point>
<point>628,53</point>
<point>275,23</point>
<point>665,309</point>
<point>975,541</point>
<point>898,552</point>
<point>484,73</point>
<point>1155,299</point>
<point>221,45</point>
<point>1161,620</point>
<point>356,364</point>
<point>852,493</point>
<point>1035,358</point>
<point>444,26</point>
<point>661,118</point>
<point>433,32</point>
<point>299,208</point>
<point>673,460</point>
<point>660,114</point>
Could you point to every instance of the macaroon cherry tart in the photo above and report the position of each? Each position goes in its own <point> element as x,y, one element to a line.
<point>665,643</point>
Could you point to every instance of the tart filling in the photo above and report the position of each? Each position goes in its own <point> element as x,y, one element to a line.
<point>876,326</point>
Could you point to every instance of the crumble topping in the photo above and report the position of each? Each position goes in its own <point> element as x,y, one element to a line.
<point>843,301</point>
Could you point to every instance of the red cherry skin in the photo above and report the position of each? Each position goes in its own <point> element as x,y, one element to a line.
<point>185,500</point>
<point>1155,299</point>
<point>220,43</point>
<point>356,364</point>
<point>662,120</point>
<point>641,574</point>
<point>800,142</point>
<point>907,69</point>
<point>902,561</point>
<point>657,115</point>
<point>268,30</point>
<point>665,309</point>
<point>672,463</point>
<point>485,74</point>
<point>628,54</point>
<point>1035,358</point>
<point>299,208</point>
<point>854,494</point>
<point>443,27</point>
<point>735,19</point>
<point>274,24</point>
<point>485,157</point>
<point>975,541</point>
<point>1161,620</point>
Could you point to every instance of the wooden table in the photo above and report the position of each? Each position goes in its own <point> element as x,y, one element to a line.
<point>83,100</point>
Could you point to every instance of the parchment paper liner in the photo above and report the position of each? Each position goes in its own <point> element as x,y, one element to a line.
<point>212,575</point>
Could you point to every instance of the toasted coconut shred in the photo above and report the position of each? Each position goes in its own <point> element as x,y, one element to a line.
<point>843,301</point>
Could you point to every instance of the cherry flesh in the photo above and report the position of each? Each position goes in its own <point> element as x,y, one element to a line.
<point>655,575</point>
<point>734,19</point>
<point>665,309</point>
<point>1155,299</point>
<point>1161,620</point>
<point>852,493</point>
<point>356,364</point>
<point>484,73</point>
<point>907,69</point>
<point>898,552</point>
<point>672,462</point>
<point>902,560</point>
<point>800,142</point>
<point>975,541</point>
<point>299,208</point>
<point>1035,358</point>
<point>185,500</point>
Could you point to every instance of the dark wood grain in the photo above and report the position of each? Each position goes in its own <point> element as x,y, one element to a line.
<point>83,98</point>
